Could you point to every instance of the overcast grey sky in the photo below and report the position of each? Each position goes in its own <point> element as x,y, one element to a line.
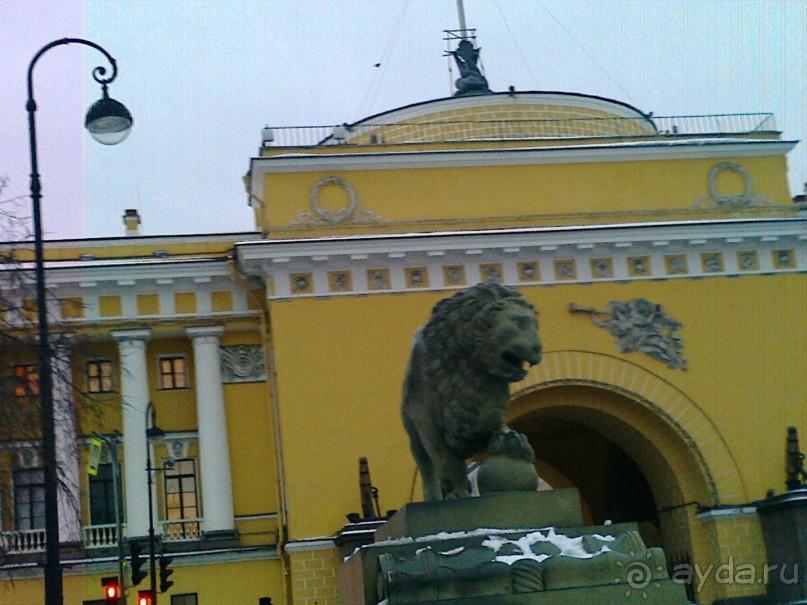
<point>203,77</point>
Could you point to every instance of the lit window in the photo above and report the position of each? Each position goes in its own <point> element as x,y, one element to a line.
<point>29,499</point>
<point>181,499</point>
<point>172,373</point>
<point>99,376</point>
<point>26,380</point>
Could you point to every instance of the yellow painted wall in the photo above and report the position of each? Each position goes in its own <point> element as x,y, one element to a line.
<point>243,582</point>
<point>463,194</point>
<point>176,408</point>
<point>339,394</point>
<point>252,444</point>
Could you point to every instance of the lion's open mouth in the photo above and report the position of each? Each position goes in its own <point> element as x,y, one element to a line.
<point>512,360</point>
<point>514,364</point>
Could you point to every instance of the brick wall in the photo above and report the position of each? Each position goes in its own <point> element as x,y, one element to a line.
<point>313,575</point>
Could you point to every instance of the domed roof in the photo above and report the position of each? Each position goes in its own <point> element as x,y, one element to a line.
<point>507,115</point>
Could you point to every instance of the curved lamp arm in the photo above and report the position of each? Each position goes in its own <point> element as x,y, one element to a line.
<point>97,73</point>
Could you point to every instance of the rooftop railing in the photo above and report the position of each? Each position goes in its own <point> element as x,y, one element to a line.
<point>449,131</point>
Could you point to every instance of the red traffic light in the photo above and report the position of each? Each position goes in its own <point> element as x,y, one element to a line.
<point>111,589</point>
<point>145,597</point>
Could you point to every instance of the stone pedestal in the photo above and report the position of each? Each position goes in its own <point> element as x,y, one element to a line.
<point>784,526</point>
<point>514,548</point>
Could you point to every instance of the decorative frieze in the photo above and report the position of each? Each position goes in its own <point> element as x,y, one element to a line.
<point>748,260</point>
<point>535,256</point>
<point>602,268</point>
<point>712,262</point>
<point>581,269</point>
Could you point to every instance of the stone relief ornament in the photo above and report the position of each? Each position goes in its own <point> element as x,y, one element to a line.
<point>640,325</point>
<point>717,199</point>
<point>351,213</point>
<point>178,449</point>
<point>242,363</point>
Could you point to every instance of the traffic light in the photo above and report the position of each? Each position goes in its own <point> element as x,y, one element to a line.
<point>145,597</point>
<point>165,573</point>
<point>111,589</point>
<point>138,573</point>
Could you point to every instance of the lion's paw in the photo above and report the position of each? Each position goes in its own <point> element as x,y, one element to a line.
<point>512,444</point>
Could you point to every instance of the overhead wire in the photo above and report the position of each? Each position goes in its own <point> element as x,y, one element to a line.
<point>516,44</point>
<point>381,65</point>
<point>585,50</point>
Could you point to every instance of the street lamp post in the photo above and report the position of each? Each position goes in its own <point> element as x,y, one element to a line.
<point>152,431</point>
<point>109,123</point>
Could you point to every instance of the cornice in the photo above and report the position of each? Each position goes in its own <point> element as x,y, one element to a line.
<point>525,257</point>
<point>565,154</point>
<point>281,251</point>
<point>144,241</point>
<point>129,271</point>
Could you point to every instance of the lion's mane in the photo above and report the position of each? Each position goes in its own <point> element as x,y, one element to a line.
<point>456,355</point>
<point>459,325</point>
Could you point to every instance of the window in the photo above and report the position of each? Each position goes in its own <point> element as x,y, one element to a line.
<point>184,599</point>
<point>29,499</point>
<point>99,376</point>
<point>181,501</point>
<point>26,380</point>
<point>102,497</point>
<point>172,373</point>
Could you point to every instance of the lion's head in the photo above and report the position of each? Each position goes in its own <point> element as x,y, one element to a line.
<point>490,325</point>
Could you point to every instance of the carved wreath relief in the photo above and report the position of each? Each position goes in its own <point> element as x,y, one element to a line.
<point>640,325</point>
<point>718,199</point>
<point>351,213</point>
<point>242,363</point>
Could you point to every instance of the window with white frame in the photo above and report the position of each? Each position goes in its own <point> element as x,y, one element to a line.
<point>29,498</point>
<point>173,372</point>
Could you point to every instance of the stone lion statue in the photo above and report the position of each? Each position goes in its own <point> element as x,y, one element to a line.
<point>456,389</point>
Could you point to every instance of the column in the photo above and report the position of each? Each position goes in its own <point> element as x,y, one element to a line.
<point>64,417</point>
<point>214,448</point>
<point>134,390</point>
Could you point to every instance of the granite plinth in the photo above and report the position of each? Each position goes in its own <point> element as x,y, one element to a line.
<point>513,510</point>
<point>514,548</point>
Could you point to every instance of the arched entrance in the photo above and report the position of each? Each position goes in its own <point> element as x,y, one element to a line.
<point>635,447</point>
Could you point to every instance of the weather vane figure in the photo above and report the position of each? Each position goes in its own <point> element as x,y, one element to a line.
<point>471,80</point>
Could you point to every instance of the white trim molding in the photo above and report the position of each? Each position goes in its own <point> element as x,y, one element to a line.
<point>734,512</point>
<point>361,265</point>
<point>674,149</point>
<point>310,545</point>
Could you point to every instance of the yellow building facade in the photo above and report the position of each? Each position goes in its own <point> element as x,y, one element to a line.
<point>666,259</point>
